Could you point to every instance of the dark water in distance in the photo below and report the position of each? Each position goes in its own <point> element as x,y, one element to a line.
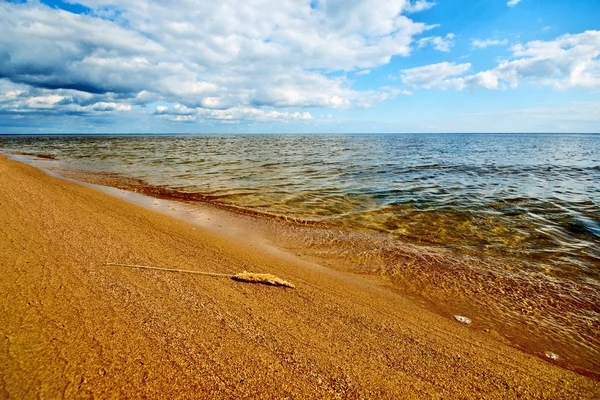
<point>527,205</point>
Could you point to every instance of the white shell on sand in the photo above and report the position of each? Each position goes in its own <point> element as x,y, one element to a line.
<point>551,355</point>
<point>462,320</point>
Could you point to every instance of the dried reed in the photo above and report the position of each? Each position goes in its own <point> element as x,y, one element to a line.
<point>251,277</point>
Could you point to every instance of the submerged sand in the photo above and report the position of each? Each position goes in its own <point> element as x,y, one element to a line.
<point>71,327</point>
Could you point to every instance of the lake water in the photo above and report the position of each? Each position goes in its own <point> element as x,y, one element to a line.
<point>508,224</point>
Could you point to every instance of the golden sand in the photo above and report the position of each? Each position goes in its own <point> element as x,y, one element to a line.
<point>70,327</point>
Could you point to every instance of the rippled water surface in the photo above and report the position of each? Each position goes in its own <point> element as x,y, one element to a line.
<point>531,198</point>
<point>528,195</point>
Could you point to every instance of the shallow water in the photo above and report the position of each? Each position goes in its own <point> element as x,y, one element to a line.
<point>517,216</point>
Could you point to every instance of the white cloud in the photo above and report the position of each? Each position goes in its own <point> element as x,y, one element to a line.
<point>434,75</point>
<point>110,106</point>
<point>439,43</point>
<point>569,61</point>
<point>419,5</point>
<point>24,99</point>
<point>43,101</point>
<point>257,53</point>
<point>182,113</point>
<point>482,44</point>
<point>512,3</point>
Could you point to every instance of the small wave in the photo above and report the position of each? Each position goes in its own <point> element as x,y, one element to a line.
<point>586,226</point>
<point>38,155</point>
<point>162,192</point>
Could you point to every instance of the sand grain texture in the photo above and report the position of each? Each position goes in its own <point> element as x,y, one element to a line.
<point>70,327</point>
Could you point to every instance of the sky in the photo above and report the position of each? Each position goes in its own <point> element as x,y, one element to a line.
<point>306,66</point>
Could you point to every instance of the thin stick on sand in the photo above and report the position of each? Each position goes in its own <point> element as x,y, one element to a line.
<point>251,277</point>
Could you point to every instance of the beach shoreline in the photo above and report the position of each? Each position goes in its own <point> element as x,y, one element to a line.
<point>519,302</point>
<point>71,327</point>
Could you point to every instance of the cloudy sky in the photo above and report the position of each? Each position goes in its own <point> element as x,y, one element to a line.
<point>299,66</point>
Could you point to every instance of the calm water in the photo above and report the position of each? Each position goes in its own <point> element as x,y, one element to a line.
<point>531,198</point>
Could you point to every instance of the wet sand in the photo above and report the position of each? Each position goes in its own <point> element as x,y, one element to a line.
<point>71,327</point>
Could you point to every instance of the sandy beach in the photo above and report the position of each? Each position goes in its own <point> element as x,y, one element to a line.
<point>71,327</point>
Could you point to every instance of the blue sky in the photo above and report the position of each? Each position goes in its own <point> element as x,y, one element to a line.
<point>299,66</point>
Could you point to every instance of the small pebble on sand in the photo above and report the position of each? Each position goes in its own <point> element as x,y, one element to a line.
<point>462,320</point>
